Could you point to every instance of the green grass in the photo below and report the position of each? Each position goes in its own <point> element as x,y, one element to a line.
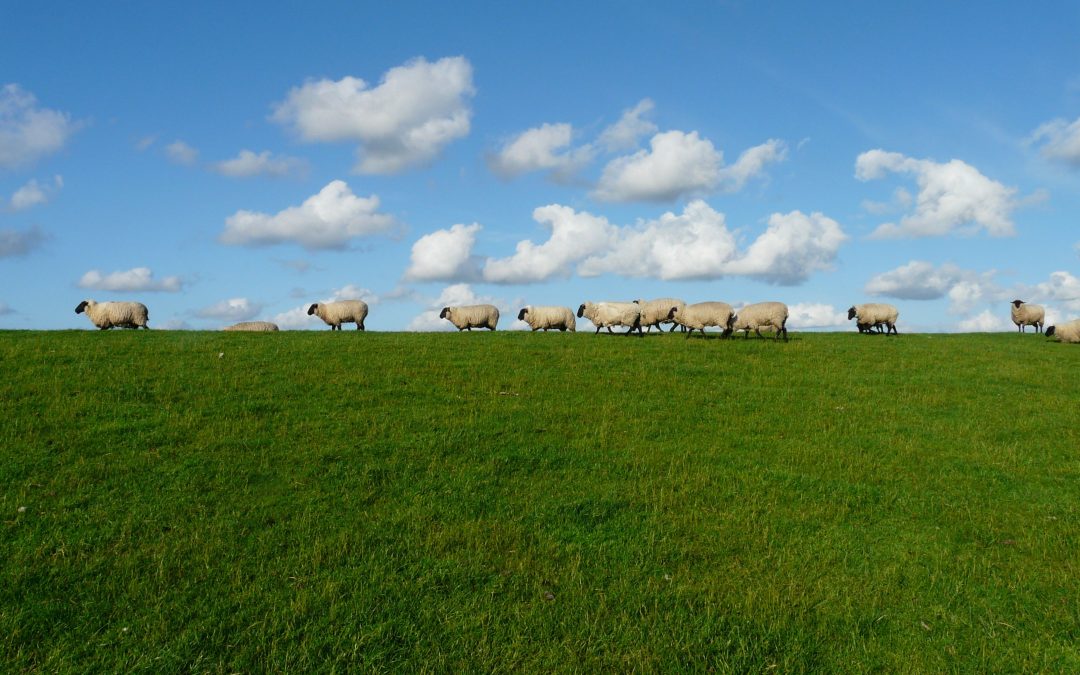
<point>540,502</point>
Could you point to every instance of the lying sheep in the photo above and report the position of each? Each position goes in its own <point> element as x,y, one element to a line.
<point>471,316</point>
<point>1024,315</point>
<point>343,311</point>
<point>608,314</point>
<point>106,315</point>
<point>255,326</point>
<point>656,312</point>
<point>874,314</point>
<point>1066,332</point>
<point>548,317</point>
<point>703,314</point>
<point>762,315</point>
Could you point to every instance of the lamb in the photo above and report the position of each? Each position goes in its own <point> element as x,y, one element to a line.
<point>874,314</point>
<point>1024,315</point>
<point>105,315</point>
<point>762,315</point>
<point>255,326</point>
<point>656,312</point>
<point>608,314</point>
<point>1066,332</point>
<point>702,314</point>
<point>548,317</point>
<point>342,311</point>
<point>471,316</point>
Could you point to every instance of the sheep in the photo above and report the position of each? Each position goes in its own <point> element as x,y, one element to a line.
<point>1024,315</point>
<point>548,317</point>
<point>702,314</point>
<point>105,315</point>
<point>1066,332</point>
<point>471,316</point>
<point>608,314</point>
<point>656,312</point>
<point>874,314</point>
<point>343,311</point>
<point>762,315</point>
<point>255,326</point>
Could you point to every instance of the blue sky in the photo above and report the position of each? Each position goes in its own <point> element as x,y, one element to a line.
<point>227,161</point>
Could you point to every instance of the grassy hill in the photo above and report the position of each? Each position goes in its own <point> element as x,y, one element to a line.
<point>540,502</point>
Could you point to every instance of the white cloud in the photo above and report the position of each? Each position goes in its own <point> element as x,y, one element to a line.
<point>416,110</point>
<point>1061,288</point>
<point>17,243</point>
<point>327,220</point>
<point>233,309</point>
<point>28,132</point>
<point>574,235</point>
<point>815,315</point>
<point>1061,141</point>
<point>34,194</point>
<point>630,129</point>
<point>445,255</point>
<point>953,197</point>
<point>985,321</point>
<point>921,280</point>
<point>248,164</point>
<point>180,152</point>
<point>794,246</point>
<point>137,279</point>
<point>544,148</point>
<point>679,164</point>
<point>463,294</point>
<point>143,144</point>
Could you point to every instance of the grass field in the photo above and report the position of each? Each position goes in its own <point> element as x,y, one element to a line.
<point>357,502</point>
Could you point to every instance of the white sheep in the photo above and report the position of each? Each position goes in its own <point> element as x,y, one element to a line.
<point>253,326</point>
<point>874,314</point>
<point>1024,315</point>
<point>656,312</point>
<point>762,315</point>
<point>608,314</point>
<point>343,311</point>
<point>703,314</point>
<point>548,317</point>
<point>105,315</point>
<point>471,316</point>
<point>1066,332</point>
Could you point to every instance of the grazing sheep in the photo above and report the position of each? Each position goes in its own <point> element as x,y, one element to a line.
<point>548,317</point>
<point>105,315</point>
<point>702,314</point>
<point>874,314</point>
<point>1066,332</point>
<point>254,326</point>
<point>343,311</point>
<point>471,316</point>
<point>608,314</point>
<point>1024,315</point>
<point>656,312</point>
<point>763,315</point>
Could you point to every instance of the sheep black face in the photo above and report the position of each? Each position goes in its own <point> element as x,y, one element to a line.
<point>522,313</point>
<point>81,307</point>
<point>311,310</point>
<point>850,313</point>
<point>1017,303</point>
<point>1050,331</point>
<point>671,313</point>
<point>581,311</point>
<point>444,313</point>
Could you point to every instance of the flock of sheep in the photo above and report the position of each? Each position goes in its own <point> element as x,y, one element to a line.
<point>640,315</point>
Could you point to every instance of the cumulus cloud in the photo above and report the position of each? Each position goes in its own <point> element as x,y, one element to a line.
<point>248,164</point>
<point>17,243</point>
<point>1062,288</point>
<point>921,280</point>
<point>138,279</point>
<point>327,220</point>
<point>232,310</point>
<point>678,164</point>
<point>1060,141</point>
<point>181,153</point>
<point>953,197</point>
<point>544,148</point>
<point>630,129</point>
<point>574,235</point>
<point>463,294</point>
<point>415,111</point>
<point>34,194</point>
<point>445,255</point>
<point>985,321</point>
<point>794,246</point>
<point>29,132</point>
<point>815,315</point>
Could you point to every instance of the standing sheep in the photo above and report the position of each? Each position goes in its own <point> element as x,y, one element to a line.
<point>471,316</point>
<point>253,326</point>
<point>548,317</point>
<point>702,314</point>
<point>1066,332</point>
<point>1024,315</point>
<point>608,314</point>
<point>656,312</point>
<point>343,311</point>
<point>763,315</point>
<point>874,314</point>
<point>105,315</point>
